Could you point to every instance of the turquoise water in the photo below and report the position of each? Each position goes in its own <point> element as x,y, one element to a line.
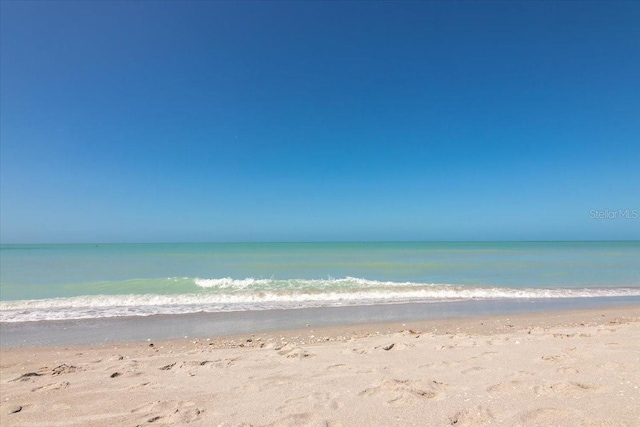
<point>48,282</point>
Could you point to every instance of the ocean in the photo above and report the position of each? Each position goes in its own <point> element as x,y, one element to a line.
<point>87,281</point>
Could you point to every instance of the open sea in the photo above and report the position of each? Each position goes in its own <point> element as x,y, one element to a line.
<point>86,281</point>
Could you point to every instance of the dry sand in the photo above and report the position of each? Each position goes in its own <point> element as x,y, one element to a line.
<point>557,369</point>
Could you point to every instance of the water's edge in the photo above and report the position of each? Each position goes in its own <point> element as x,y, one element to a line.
<point>213,325</point>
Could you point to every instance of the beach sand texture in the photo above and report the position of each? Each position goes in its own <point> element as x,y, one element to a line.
<point>562,369</point>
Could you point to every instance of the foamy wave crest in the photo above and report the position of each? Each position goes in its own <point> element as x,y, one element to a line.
<point>229,283</point>
<point>226,294</point>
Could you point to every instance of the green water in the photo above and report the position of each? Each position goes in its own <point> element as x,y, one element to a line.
<point>48,271</point>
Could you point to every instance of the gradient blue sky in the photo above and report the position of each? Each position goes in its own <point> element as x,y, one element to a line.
<point>288,121</point>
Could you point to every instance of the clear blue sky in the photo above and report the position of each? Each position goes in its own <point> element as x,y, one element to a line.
<point>286,121</point>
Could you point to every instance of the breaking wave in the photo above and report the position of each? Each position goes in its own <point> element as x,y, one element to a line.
<point>227,294</point>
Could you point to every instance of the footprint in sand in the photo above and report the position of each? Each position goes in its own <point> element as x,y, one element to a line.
<point>360,351</point>
<point>64,369</point>
<point>168,367</point>
<point>570,389</point>
<point>129,366</point>
<point>521,374</point>
<point>58,370</point>
<point>303,419</point>
<point>225,363</point>
<point>200,362</point>
<point>336,366</point>
<point>472,370</point>
<point>292,352</point>
<point>168,412</point>
<point>563,336</point>
<point>406,391</point>
<point>394,346</point>
<point>27,377</point>
<point>317,401</point>
<point>505,386</point>
<point>144,384</point>
<point>554,358</point>
<point>567,370</point>
<point>471,417</point>
<point>52,386</point>
<point>14,409</point>
<point>546,417</point>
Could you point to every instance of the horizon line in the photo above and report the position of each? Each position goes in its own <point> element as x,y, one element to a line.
<point>318,242</point>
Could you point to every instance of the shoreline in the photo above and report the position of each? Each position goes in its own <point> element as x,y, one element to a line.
<point>572,367</point>
<point>212,325</point>
<point>309,334</point>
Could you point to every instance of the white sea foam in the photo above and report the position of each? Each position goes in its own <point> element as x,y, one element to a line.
<point>229,283</point>
<point>227,294</point>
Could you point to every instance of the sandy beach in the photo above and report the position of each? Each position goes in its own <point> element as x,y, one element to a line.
<point>572,368</point>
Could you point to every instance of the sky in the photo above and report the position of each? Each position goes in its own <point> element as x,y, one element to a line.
<point>195,121</point>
